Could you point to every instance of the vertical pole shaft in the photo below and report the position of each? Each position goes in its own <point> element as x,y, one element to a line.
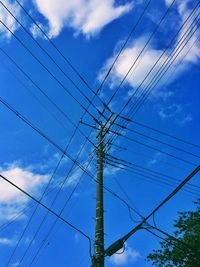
<point>99,233</point>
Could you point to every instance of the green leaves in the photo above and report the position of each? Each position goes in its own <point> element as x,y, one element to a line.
<point>173,253</point>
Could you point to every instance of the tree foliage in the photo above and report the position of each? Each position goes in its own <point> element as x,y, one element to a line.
<point>186,251</point>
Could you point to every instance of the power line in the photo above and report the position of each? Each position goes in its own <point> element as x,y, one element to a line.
<point>163,53</point>
<point>165,69</point>
<point>53,60</point>
<point>147,43</point>
<point>44,94</point>
<point>128,164</point>
<point>164,133</point>
<point>24,210</point>
<point>47,208</point>
<point>154,178</point>
<point>148,146</point>
<point>44,219</point>
<point>129,120</point>
<point>129,100</point>
<point>26,121</point>
<point>60,53</point>
<point>46,214</point>
<point>156,209</point>
<point>143,154</point>
<point>146,7</point>
<point>168,241</point>
<point>123,46</point>
<point>152,147</point>
<point>53,224</point>
<point>157,140</point>
<point>35,96</point>
<point>48,71</point>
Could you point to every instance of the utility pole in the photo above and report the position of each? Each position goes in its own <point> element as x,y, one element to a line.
<point>99,252</point>
<point>98,259</point>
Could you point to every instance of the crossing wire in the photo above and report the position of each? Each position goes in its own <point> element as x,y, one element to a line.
<point>45,95</point>
<point>157,140</point>
<point>164,133</point>
<point>163,53</point>
<point>141,52</point>
<point>121,51</point>
<point>143,49</point>
<point>170,43</point>
<point>43,221</point>
<point>48,71</point>
<point>169,64</point>
<point>62,113</point>
<point>129,164</point>
<point>155,178</point>
<point>67,60</point>
<point>36,129</point>
<point>25,210</point>
<point>53,60</point>
<point>47,236</point>
<point>132,31</point>
<point>128,120</point>
<point>151,147</point>
<point>47,208</point>
<point>129,100</point>
<point>158,207</point>
<point>147,93</point>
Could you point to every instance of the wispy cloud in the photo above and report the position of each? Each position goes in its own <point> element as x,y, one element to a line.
<point>8,19</point>
<point>127,257</point>
<point>170,111</point>
<point>7,241</point>
<point>177,112</point>
<point>84,16</point>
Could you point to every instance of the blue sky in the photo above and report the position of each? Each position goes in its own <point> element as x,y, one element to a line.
<point>90,35</point>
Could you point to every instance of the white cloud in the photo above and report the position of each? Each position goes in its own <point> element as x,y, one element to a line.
<point>7,241</point>
<point>125,61</point>
<point>74,177</point>
<point>150,56</point>
<point>11,199</point>
<point>84,16</point>
<point>128,256</point>
<point>8,19</point>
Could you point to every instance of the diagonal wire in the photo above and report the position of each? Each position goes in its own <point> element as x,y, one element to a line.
<point>49,72</point>
<point>47,208</point>
<point>52,59</point>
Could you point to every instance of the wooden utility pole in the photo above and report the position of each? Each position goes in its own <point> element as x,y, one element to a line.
<point>98,259</point>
